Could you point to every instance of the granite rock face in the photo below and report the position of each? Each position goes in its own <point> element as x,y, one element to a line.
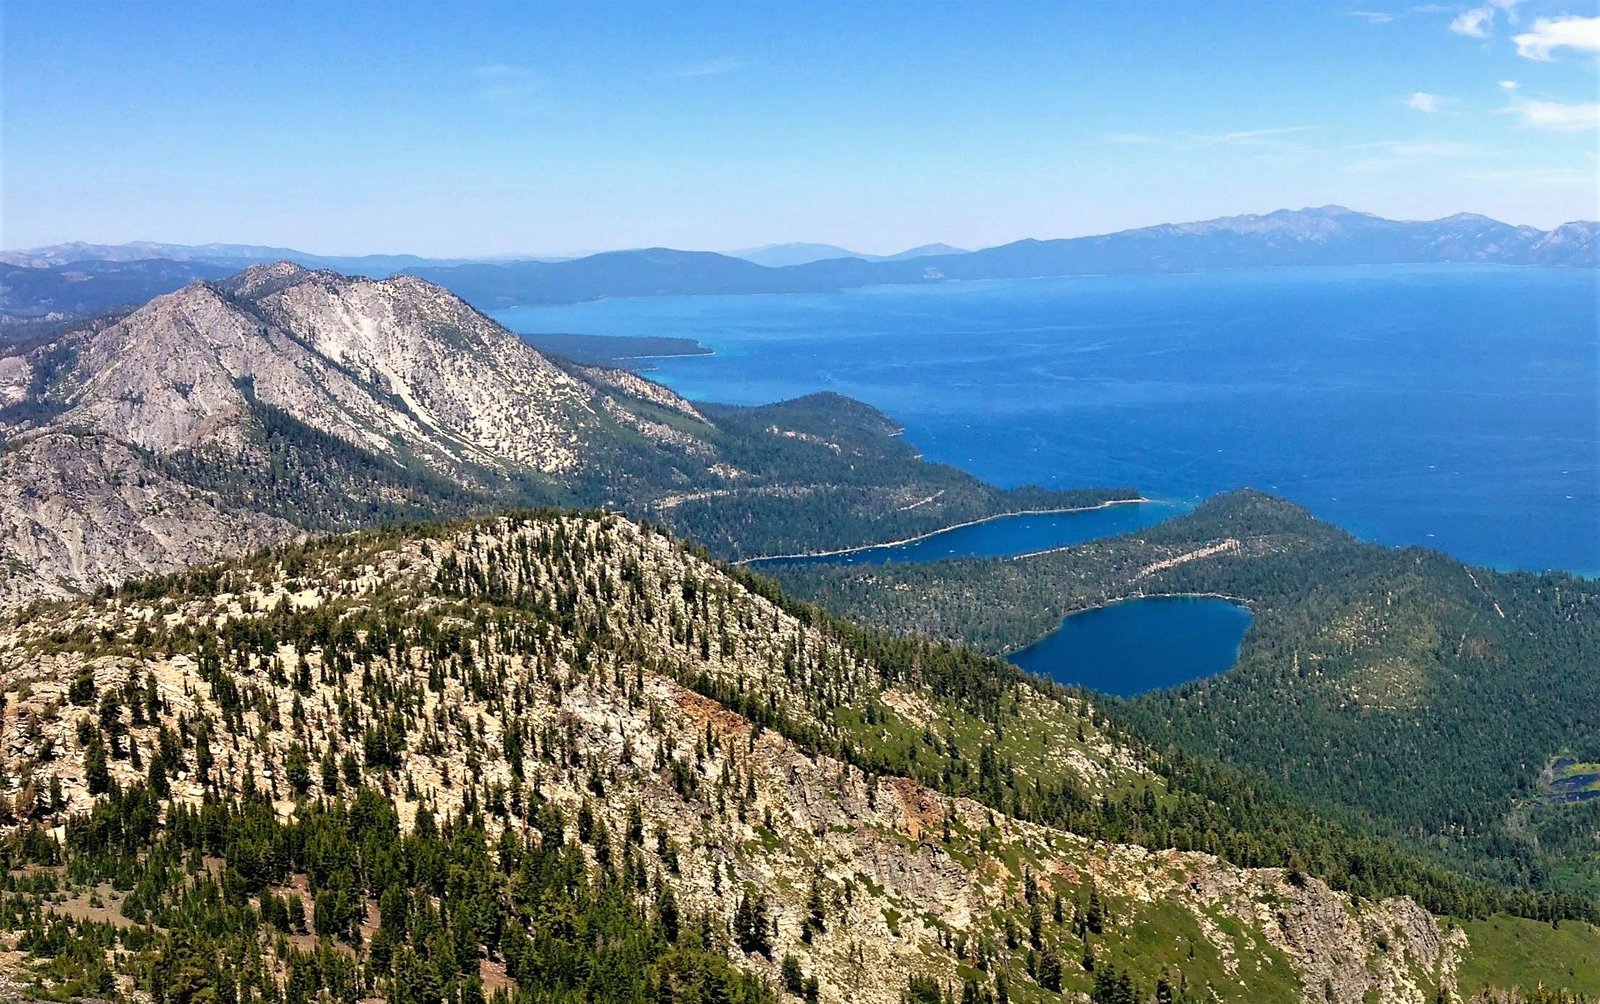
<point>390,366</point>
<point>81,511</point>
<point>99,426</point>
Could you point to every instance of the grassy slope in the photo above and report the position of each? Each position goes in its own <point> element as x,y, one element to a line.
<point>1510,951</point>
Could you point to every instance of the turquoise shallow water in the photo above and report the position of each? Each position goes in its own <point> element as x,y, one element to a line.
<point>1138,645</point>
<point>1448,406</point>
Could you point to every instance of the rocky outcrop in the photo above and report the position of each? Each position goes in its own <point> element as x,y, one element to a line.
<point>459,377</point>
<point>1346,951</point>
<point>397,367</point>
<point>81,512</point>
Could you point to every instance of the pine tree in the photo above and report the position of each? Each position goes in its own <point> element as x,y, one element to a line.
<point>1050,969</point>
<point>750,925</point>
<point>95,771</point>
<point>816,912</point>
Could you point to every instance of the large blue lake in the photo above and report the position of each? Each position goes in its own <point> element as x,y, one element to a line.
<point>1449,406</point>
<point>1138,645</point>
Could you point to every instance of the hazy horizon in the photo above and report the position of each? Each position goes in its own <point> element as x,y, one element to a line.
<point>732,252</point>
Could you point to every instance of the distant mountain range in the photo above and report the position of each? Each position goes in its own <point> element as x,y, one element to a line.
<point>237,256</point>
<point>44,284</point>
<point>783,255</point>
<point>231,256</point>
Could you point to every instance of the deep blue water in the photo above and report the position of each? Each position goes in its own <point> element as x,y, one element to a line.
<point>1138,645</point>
<point>1007,535</point>
<point>1449,406</point>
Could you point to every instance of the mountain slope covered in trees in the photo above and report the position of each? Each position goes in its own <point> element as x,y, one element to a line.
<point>1402,685</point>
<point>550,756</point>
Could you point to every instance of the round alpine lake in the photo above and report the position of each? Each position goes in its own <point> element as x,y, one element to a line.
<point>1137,645</point>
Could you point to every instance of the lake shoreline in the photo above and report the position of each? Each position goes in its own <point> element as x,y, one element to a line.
<point>1108,503</point>
<point>1126,598</point>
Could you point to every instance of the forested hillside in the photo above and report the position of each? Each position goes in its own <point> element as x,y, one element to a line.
<point>1426,695</point>
<point>552,756</point>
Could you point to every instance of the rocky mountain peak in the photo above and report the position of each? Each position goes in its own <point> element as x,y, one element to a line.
<point>211,377</point>
<point>166,376</point>
<point>260,279</point>
<point>392,365</point>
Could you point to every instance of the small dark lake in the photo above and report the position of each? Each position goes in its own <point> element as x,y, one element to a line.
<point>1004,536</point>
<point>1133,646</point>
<point>1124,648</point>
<point>1574,782</point>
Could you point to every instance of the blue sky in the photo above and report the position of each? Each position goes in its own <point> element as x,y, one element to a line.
<point>486,128</point>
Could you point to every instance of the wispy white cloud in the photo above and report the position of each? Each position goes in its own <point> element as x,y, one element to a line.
<point>1473,23</point>
<point>1509,8</point>
<point>1422,101</point>
<point>1426,149</point>
<point>1552,116</point>
<point>1548,34</point>
<point>710,68</point>
<point>1478,22</point>
<point>1372,16</point>
<point>1539,175</point>
<point>1558,116</point>
<point>1265,138</point>
<point>1279,140</point>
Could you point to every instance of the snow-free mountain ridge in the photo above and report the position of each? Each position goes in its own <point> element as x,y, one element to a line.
<point>45,283</point>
